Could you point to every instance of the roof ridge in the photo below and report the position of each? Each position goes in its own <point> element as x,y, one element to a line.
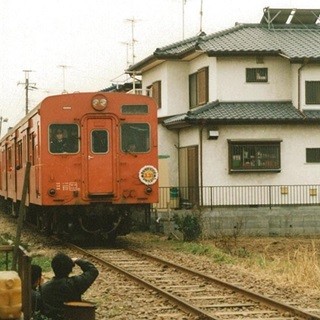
<point>181,42</point>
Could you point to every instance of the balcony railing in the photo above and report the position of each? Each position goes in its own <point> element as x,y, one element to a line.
<point>224,196</point>
<point>145,92</point>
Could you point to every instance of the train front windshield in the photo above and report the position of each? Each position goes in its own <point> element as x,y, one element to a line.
<point>63,138</point>
<point>135,137</point>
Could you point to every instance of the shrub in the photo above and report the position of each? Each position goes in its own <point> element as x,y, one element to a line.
<point>189,225</point>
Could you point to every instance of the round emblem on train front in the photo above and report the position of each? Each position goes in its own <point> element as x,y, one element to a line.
<point>148,175</point>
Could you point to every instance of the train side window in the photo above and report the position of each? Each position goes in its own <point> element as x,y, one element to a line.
<point>9,159</point>
<point>63,138</point>
<point>19,155</point>
<point>32,148</point>
<point>135,137</point>
<point>99,141</point>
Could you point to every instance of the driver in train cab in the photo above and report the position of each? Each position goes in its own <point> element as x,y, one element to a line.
<point>58,143</point>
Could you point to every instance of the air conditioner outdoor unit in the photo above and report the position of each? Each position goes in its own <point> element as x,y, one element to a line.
<point>213,134</point>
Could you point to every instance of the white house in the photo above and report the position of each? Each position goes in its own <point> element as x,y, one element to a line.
<point>241,107</point>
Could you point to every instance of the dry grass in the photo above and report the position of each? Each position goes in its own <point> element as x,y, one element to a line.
<point>294,265</point>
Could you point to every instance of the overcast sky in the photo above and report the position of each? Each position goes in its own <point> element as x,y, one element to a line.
<point>90,39</point>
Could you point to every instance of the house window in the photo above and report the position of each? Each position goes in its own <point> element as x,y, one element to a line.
<point>198,88</point>
<point>313,155</point>
<point>256,74</point>
<point>154,91</point>
<point>254,156</point>
<point>312,92</point>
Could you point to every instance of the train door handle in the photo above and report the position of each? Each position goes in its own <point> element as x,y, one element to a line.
<point>90,157</point>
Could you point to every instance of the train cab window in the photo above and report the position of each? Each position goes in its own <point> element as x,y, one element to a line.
<point>63,138</point>
<point>135,137</point>
<point>99,141</point>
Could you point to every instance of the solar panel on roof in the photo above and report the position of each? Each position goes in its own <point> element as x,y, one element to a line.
<point>292,16</point>
<point>305,16</point>
<point>276,16</point>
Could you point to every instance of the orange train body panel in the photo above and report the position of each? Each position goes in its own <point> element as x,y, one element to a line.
<point>84,148</point>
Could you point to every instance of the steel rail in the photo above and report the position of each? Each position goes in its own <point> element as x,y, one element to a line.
<point>255,296</point>
<point>184,305</point>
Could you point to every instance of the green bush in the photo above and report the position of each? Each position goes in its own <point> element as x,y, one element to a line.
<point>189,225</point>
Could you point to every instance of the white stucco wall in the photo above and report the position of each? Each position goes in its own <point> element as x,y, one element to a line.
<point>309,72</point>
<point>294,169</point>
<point>168,150</point>
<point>174,86</point>
<point>227,82</point>
<point>232,85</point>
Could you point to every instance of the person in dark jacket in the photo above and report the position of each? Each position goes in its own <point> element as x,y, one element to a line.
<point>36,280</point>
<point>64,288</point>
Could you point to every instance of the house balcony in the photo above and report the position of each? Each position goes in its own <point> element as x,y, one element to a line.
<point>144,92</point>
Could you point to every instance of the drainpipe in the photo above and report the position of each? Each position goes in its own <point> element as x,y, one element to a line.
<point>178,148</point>
<point>201,159</point>
<point>305,62</point>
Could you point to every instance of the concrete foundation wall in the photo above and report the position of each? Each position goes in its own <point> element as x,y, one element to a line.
<point>262,221</point>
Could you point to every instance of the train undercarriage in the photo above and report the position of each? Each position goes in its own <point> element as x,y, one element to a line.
<point>95,221</point>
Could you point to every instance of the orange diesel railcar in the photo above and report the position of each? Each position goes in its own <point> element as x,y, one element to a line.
<point>93,159</point>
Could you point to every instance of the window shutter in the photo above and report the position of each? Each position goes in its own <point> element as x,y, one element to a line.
<point>193,99</point>
<point>202,86</point>
<point>156,92</point>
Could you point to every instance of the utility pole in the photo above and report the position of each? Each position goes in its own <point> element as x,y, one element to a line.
<point>28,86</point>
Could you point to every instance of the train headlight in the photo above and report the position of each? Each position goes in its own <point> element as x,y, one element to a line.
<point>148,190</point>
<point>148,175</point>
<point>52,192</point>
<point>99,102</point>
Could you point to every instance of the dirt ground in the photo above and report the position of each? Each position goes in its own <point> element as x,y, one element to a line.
<point>273,247</point>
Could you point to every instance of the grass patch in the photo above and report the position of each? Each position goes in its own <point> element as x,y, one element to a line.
<point>217,255</point>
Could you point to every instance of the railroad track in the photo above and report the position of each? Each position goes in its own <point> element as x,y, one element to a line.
<point>192,292</point>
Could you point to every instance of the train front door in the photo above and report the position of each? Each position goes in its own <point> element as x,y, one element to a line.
<point>98,156</point>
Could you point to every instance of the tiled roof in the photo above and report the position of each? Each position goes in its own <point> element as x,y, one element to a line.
<point>293,41</point>
<point>296,42</point>
<point>312,114</point>
<point>181,47</point>
<point>243,112</point>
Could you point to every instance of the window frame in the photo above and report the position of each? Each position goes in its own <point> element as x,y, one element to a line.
<point>154,91</point>
<point>94,137</point>
<point>131,141</point>
<point>67,128</point>
<point>253,76</point>
<point>199,87</point>
<point>312,92</point>
<point>312,155</point>
<point>19,153</point>
<point>254,155</point>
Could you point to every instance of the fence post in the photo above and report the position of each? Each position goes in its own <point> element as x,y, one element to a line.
<point>270,198</point>
<point>21,215</point>
<point>25,275</point>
